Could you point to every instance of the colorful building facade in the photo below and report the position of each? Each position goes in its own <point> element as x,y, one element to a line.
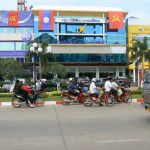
<point>137,30</point>
<point>88,41</point>
<point>16,27</point>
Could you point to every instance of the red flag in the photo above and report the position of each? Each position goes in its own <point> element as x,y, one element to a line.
<point>115,20</point>
<point>13,18</point>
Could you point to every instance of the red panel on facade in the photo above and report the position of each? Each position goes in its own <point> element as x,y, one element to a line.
<point>13,18</point>
<point>115,20</point>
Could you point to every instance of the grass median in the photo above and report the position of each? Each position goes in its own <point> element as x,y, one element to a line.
<point>57,98</point>
<point>51,98</point>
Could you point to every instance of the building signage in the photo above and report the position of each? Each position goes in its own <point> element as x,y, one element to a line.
<point>80,20</point>
<point>144,28</point>
<point>16,18</point>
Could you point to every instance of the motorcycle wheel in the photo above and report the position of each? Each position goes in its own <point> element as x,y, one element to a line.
<point>87,102</point>
<point>16,102</point>
<point>39,102</point>
<point>110,102</point>
<point>65,100</point>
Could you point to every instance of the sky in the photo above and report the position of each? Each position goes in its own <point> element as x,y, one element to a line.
<point>136,8</point>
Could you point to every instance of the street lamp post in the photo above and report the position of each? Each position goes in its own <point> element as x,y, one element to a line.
<point>35,49</point>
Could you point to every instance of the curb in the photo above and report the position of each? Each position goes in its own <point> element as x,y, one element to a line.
<point>47,103</point>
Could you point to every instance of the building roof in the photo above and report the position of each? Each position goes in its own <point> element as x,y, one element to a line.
<point>78,10</point>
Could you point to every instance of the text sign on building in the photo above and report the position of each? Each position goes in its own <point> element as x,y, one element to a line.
<point>16,18</point>
<point>80,20</point>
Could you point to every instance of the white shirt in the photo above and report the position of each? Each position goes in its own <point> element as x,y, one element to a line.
<point>108,86</point>
<point>114,85</point>
<point>92,87</point>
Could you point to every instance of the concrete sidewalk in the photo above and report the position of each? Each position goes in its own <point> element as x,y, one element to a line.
<point>60,102</point>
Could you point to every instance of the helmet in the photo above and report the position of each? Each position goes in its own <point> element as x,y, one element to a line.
<point>70,79</point>
<point>109,78</point>
<point>94,80</point>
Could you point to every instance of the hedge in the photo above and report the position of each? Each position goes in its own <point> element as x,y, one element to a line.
<point>44,95</point>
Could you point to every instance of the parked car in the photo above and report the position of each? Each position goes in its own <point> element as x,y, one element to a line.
<point>146,92</point>
<point>8,85</point>
<point>124,80</point>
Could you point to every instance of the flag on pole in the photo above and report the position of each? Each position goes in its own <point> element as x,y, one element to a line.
<point>46,20</point>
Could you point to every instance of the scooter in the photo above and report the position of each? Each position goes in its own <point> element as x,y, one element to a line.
<point>68,98</point>
<point>106,98</point>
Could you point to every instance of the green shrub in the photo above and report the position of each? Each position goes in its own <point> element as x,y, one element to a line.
<point>64,85</point>
<point>134,92</point>
<point>44,95</point>
<point>1,83</point>
<point>54,93</point>
<point>3,90</point>
<point>5,94</point>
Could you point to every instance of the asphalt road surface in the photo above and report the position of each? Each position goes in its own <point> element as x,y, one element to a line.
<point>75,127</point>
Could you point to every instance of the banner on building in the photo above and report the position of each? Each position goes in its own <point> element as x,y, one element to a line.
<point>46,20</point>
<point>16,18</point>
<point>115,20</point>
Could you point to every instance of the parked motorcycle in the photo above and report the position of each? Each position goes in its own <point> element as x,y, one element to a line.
<point>19,100</point>
<point>105,98</point>
<point>68,98</point>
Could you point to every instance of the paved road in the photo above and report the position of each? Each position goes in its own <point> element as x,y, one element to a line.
<point>122,127</point>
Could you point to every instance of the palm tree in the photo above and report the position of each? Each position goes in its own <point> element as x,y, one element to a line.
<point>140,48</point>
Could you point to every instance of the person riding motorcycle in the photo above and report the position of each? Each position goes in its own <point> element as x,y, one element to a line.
<point>109,86</point>
<point>24,91</point>
<point>73,88</point>
<point>95,90</point>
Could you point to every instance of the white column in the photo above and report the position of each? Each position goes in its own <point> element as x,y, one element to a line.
<point>77,72</point>
<point>97,72</point>
<point>117,72</point>
<point>134,76</point>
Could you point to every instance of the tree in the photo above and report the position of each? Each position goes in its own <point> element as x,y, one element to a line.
<point>58,70</point>
<point>140,48</point>
<point>10,68</point>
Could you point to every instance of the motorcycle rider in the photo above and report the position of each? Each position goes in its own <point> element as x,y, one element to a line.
<point>24,91</point>
<point>95,90</point>
<point>109,86</point>
<point>27,94</point>
<point>73,88</point>
<point>117,88</point>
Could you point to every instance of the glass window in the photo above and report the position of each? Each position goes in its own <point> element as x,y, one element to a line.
<point>20,46</point>
<point>9,30</point>
<point>6,46</point>
<point>2,30</point>
<point>24,30</point>
<point>6,30</point>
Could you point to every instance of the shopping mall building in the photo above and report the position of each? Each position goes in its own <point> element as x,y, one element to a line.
<point>136,30</point>
<point>89,41</point>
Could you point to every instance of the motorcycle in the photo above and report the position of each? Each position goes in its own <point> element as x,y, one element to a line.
<point>68,98</point>
<point>125,96</point>
<point>106,98</point>
<point>19,100</point>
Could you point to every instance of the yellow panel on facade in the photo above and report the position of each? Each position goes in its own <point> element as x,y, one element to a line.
<point>139,29</point>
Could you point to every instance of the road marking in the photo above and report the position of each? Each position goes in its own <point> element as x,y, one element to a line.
<point>120,141</point>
